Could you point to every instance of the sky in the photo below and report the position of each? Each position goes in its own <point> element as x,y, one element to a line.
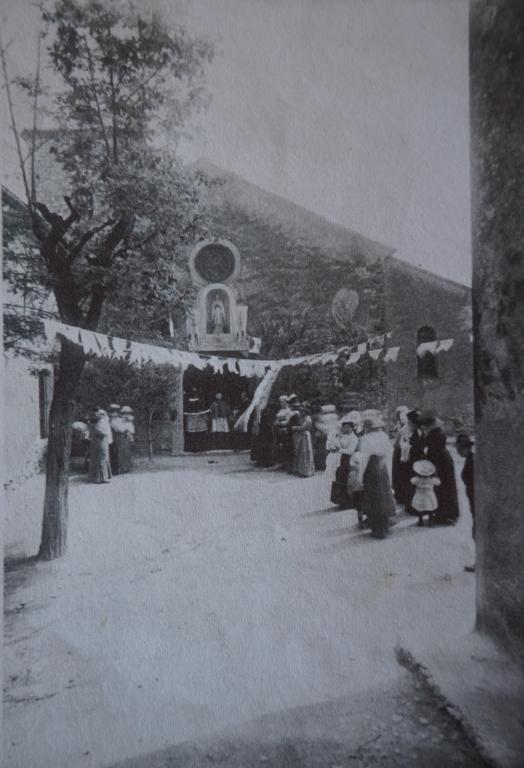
<point>354,109</point>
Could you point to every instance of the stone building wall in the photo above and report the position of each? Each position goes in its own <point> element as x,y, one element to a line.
<point>415,299</point>
<point>497,112</point>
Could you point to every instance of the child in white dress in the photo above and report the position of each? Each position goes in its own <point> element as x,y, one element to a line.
<point>425,501</point>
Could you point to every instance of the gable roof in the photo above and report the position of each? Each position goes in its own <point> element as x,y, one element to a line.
<point>297,222</point>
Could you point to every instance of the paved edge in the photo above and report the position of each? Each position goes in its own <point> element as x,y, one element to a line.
<point>407,660</point>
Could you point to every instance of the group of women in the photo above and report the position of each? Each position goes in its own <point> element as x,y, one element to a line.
<point>361,454</point>
<point>109,435</point>
<point>283,437</point>
<point>372,475</point>
<point>421,437</point>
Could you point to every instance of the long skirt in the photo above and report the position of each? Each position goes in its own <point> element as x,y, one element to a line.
<point>288,450</point>
<point>99,465</point>
<point>446,492</point>
<point>320,451</point>
<point>303,464</point>
<point>124,454</point>
<point>377,498</point>
<point>402,473</point>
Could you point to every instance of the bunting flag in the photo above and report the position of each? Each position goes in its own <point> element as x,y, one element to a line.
<point>117,348</point>
<point>391,354</point>
<point>434,347</point>
<point>259,400</point>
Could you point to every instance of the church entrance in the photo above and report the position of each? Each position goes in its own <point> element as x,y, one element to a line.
<point>212,404</point>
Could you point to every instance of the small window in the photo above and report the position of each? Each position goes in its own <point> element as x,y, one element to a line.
<point>44,400</point>
<point>426,363</point>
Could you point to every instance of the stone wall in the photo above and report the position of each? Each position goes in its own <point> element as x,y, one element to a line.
<point>497,113</point>
<point>415,298</point>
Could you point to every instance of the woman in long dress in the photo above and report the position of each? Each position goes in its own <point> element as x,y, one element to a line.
<point>99,465</point>
<point>376,454</point>
<point>434,449</point>
<point>343,443</point>
<point>128,421</point>
<point>303,464</point>
<point>401,475</point>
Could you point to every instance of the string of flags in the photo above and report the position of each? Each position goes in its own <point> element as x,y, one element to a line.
<point>101,345</point>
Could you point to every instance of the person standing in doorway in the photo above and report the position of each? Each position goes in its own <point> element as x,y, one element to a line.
<point>220,418</point>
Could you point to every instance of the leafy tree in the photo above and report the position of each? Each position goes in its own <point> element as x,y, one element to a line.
<point>148,388</point>
<point>124,80</point>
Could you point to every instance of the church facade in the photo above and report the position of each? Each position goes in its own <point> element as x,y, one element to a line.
<point>276,281</point>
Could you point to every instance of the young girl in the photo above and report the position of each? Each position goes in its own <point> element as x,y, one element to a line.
<point>424,500</point>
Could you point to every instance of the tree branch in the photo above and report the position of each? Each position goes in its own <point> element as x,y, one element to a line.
<point>14,126</point>
<point>77,248</point>
<point>97,103</point>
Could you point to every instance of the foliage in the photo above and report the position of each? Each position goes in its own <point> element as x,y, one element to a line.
<point>148,388</point>
<point>124,79</point>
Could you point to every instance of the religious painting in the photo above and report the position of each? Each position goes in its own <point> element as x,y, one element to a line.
<point>218,313</point>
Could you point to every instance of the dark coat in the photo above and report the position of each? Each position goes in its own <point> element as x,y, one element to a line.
<point>446,492</point>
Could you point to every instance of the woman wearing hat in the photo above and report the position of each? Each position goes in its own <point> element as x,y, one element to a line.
<point>343,444</point>
<point>401,470</point>
<point>303,464</point>
<point>119,448</point>
<point>128,421</point>
<point>434,449</point>
<point>99,431</point>
<point>281,431</point>
<point>325,421</point>
<point>376,453</point>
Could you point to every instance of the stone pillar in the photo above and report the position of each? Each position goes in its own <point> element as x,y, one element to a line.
<point>497,120</point>
<point>177,426</point>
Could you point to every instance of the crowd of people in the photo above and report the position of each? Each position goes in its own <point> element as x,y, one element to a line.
<point>366,470</point>
<point>107,437</point>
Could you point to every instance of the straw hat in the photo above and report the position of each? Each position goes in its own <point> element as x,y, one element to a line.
<point>328,409</point>
<point>424,468</point>
<point>374,421</point>
<point>114,407</point>
<point>126,409</point>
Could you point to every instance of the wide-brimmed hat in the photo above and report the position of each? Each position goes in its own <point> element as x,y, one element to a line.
<point>424,468</point>
<point>114,407</point>
<point>414,415</point>
<point>292,398</point>
<point>402,409</point>
<point>126,409</point>
<point>347,419</point>
<point>374,421</point>
<point>328,408</point>
<point>283,398</point>
<point>427,418</point>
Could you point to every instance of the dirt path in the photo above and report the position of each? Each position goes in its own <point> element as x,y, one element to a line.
<point>178,614</point>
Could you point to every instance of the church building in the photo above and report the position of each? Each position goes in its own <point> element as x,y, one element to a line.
<point>276,281</point>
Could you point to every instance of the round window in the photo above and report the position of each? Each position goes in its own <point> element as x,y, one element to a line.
<point>215,263</point>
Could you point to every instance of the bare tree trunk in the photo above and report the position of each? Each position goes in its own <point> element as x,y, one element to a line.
<point>54,523</point>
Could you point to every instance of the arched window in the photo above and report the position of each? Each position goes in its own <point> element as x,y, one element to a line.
<point>427,362</point>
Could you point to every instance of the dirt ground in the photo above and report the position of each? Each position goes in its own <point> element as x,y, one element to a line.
<point>177,615</point>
